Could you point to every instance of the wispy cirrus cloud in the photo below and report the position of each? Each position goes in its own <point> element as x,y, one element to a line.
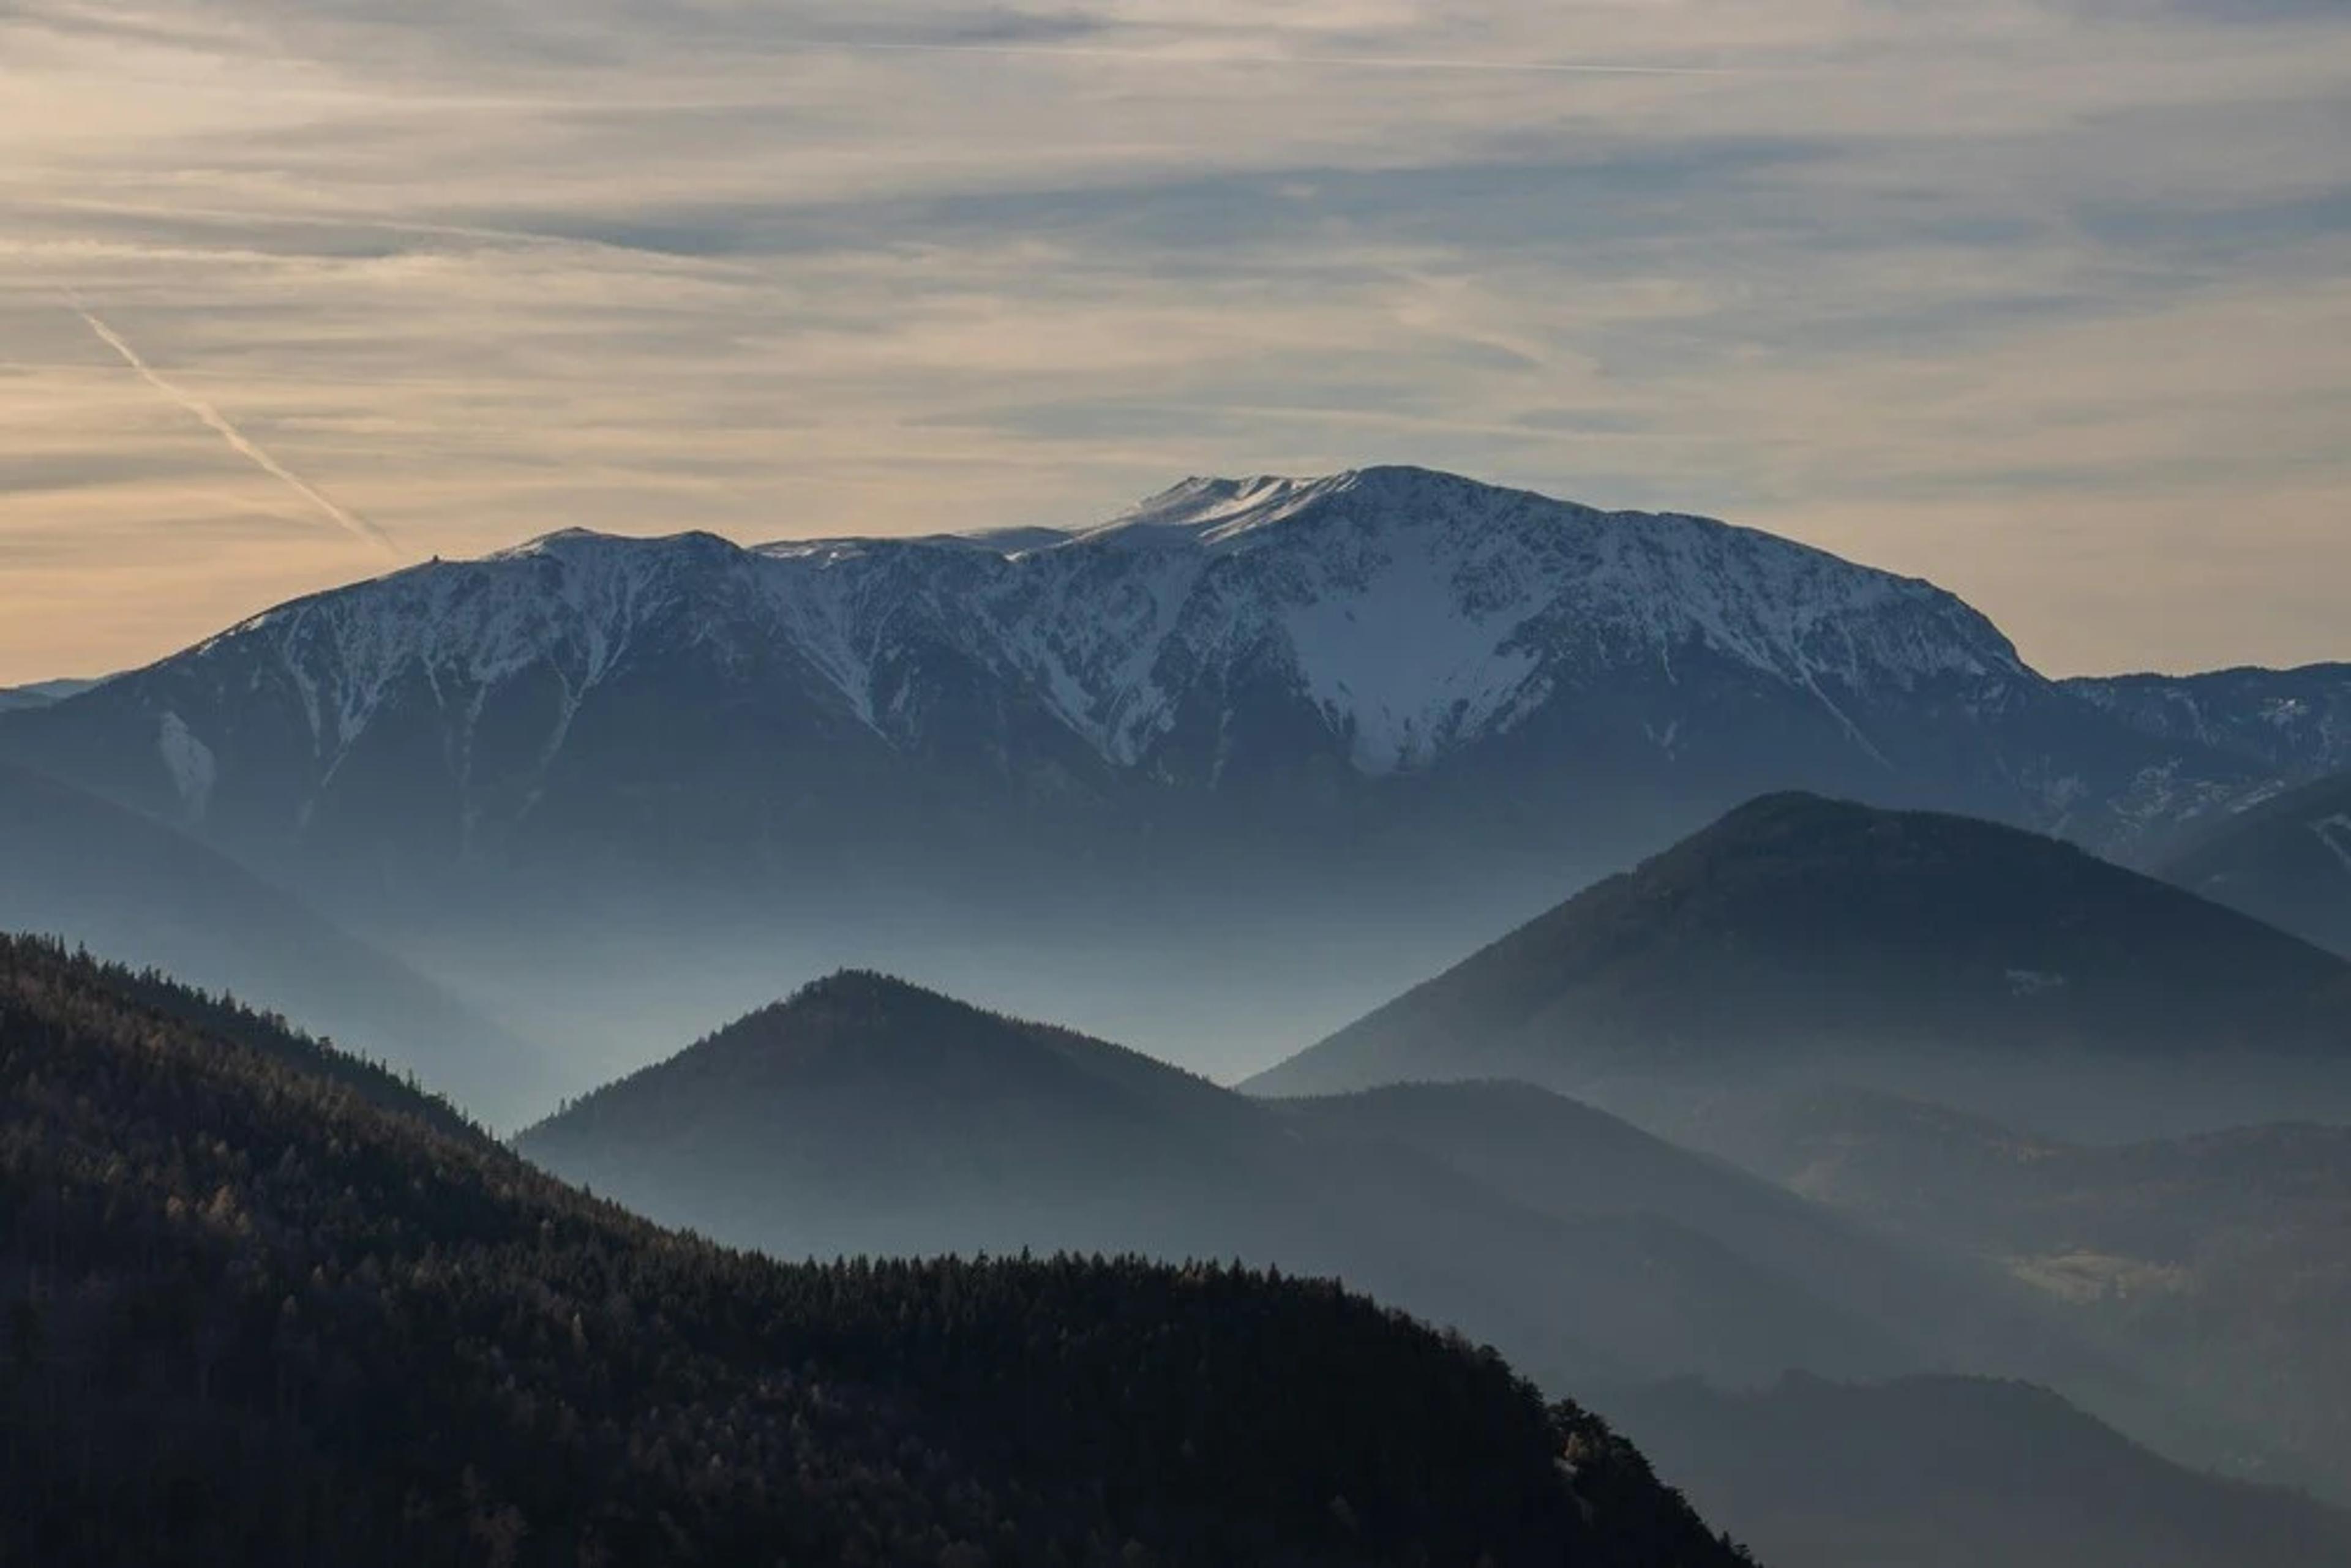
<point>2000,294</point>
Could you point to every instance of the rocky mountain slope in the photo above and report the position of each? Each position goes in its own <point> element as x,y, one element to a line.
<point>1391,649</point>
<point>2296,724</point>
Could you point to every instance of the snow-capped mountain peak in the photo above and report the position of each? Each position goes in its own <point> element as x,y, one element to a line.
<point>1383,622</point>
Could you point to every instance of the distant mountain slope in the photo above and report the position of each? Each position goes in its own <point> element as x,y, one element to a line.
<point>2294,723</point>
<point>40,694</point>
<point>1800,934</point>
<point>916,1119</point>
<point>864,1115</point>
<point>2287,861</point>
<point>1958,1473</point>
<point>2226,1257</point>
<point>1571,1161</point>
<point>253,1317</point>
<point>74,866</point>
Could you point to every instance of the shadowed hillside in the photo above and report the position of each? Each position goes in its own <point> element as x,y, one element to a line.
<point>1958,1473</point>
<point>868,1115</point>
<point>261,1314</point>
<point>1799,938</point>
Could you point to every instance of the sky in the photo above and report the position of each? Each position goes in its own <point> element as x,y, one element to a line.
<point>2048,300</point>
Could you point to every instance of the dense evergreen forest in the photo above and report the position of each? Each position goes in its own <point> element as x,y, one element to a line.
<point>261,1301</point>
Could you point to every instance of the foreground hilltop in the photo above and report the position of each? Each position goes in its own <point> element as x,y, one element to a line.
<point>266,1304</point>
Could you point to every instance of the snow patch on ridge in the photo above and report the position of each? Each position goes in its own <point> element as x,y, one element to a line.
<point>1400,665</point>
<point>195,770</point>
<point>2335,832</point>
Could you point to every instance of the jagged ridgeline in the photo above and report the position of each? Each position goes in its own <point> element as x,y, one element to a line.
<point>263,1302</point>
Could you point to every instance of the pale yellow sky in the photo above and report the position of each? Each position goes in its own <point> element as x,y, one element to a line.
<point>2047,301</point>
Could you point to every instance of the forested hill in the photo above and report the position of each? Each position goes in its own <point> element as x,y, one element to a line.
<point>1799,927</point>
<point>254,1312</point>
<point>44,985</point>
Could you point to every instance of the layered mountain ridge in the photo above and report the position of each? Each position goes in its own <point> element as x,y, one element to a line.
<point>866,1115</point>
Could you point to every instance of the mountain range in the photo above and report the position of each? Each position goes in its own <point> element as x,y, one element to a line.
<point>1801,942</point>
<point>2296,724</point>
<point>1392,710</point>
<point>867,1116</point>
<point>1951,1091</point>
<point>266,1303</point>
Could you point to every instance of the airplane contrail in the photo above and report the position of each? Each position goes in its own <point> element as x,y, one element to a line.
<point>238,442</point>
<point>1350,62</point>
